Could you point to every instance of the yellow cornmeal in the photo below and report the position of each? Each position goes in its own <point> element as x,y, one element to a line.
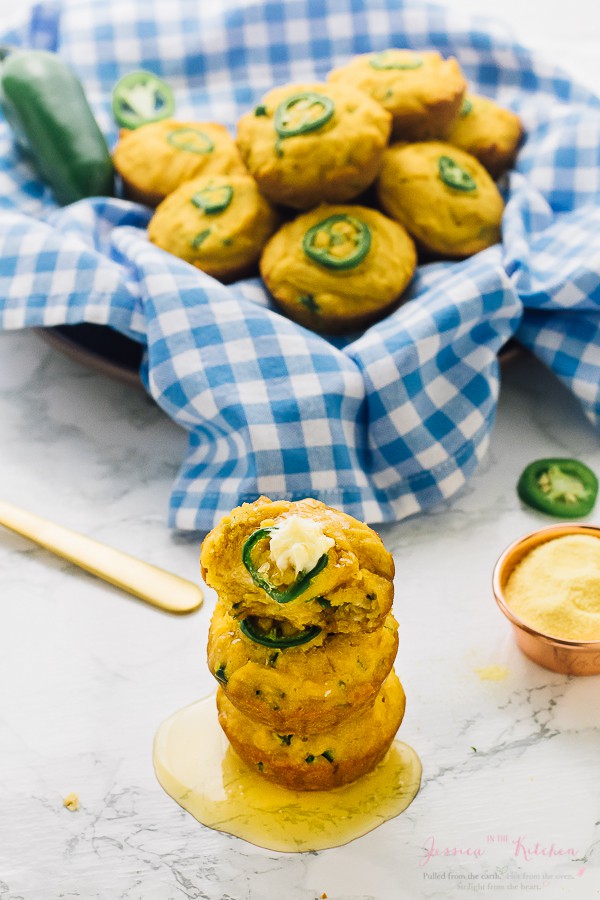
<point>493,673</point>
<point>556,588</point>
<point>71,802</point>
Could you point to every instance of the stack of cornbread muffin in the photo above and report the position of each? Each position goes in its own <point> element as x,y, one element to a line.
<point>302,641</point>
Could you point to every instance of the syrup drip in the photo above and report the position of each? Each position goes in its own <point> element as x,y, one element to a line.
<point>197,768</point>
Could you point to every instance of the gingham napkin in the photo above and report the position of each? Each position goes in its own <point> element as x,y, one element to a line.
<point>384,424</point>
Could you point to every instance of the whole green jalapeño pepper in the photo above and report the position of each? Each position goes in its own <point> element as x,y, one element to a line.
<point>565,488</point>
<point>274,637</point>
<point>141,97</point>
<point>294,590</point>
<point>338,242</point>
<point>44,103</point>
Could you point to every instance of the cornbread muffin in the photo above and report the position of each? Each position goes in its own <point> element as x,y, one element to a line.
<point>309,143</point>
<point>302,561</point>
<point>318,762</point>
<point>422,91</point>
<point>488,132</point>
<point>156,158</point>
<point>315,685</point>
<point>443,196</point>
<point>338,268</point>
<point>218,223</point>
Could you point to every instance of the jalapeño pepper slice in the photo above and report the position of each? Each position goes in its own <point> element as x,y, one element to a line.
<point>466,107</point>
<point>140,97</point>
<point>214,198</point>
<point>294,590</point>
<point>303,113</point>
<point>454,175</point>
<point>273,637</point>
<point>564,488</point>
<point>191,139</point>
<point>389,59</point>
<point>199,238</point>
<point>338,242</point>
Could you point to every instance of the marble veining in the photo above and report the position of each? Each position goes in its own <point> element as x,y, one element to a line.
<point>88,674</point>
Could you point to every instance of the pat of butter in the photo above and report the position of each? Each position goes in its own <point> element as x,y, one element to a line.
<point>298,543</point>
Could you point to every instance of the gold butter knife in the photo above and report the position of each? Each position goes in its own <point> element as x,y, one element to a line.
<point>149,583</point>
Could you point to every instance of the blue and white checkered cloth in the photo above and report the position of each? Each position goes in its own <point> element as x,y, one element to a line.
<point>382,425</point>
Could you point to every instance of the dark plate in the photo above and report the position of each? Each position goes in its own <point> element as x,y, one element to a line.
<point>100,348</point>
<point>106,351</point>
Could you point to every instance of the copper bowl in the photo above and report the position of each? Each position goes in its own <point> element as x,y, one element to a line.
<point>568,657</point>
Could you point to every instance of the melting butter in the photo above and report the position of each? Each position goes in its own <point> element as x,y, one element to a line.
<point>298,543</point>
<point>197,768</point>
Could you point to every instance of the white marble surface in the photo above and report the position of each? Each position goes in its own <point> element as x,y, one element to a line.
<point>86,675</point>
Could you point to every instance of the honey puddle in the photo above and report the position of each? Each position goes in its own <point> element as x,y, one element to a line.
<point>196,766</point>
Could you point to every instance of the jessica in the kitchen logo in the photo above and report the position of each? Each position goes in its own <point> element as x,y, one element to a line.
<point>520,848</point>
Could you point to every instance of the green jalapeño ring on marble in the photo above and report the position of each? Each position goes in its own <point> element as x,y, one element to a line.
<point>299,586</point>
<point>303,113</point>
<point>274,637</point>
<point>338,242</point>
<point>191,139</point>
<point>388,59</point>
<point>454,176</point>
<point>214,198</point>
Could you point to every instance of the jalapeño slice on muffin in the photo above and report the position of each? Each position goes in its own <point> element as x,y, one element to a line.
<point>213,198</point>
<point>191,139</point>
<point>395,59</point>
<point>454,176</point>
<point>277,635</point>
<point>302,113</point>
<point>260,579</point>
<point>466,107</point>
<point>338,242</point>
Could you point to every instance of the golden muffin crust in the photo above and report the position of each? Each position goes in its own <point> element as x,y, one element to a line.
<point>308,267</point>
<point>454,219</point>
<point>315,685</point>
<point>155,159</point>
<point>309,143</point>
<point>218,223</point>
<point>351,593</point>
<point>488,132</point>
<point>422,90</point>
<point>317,762</point>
